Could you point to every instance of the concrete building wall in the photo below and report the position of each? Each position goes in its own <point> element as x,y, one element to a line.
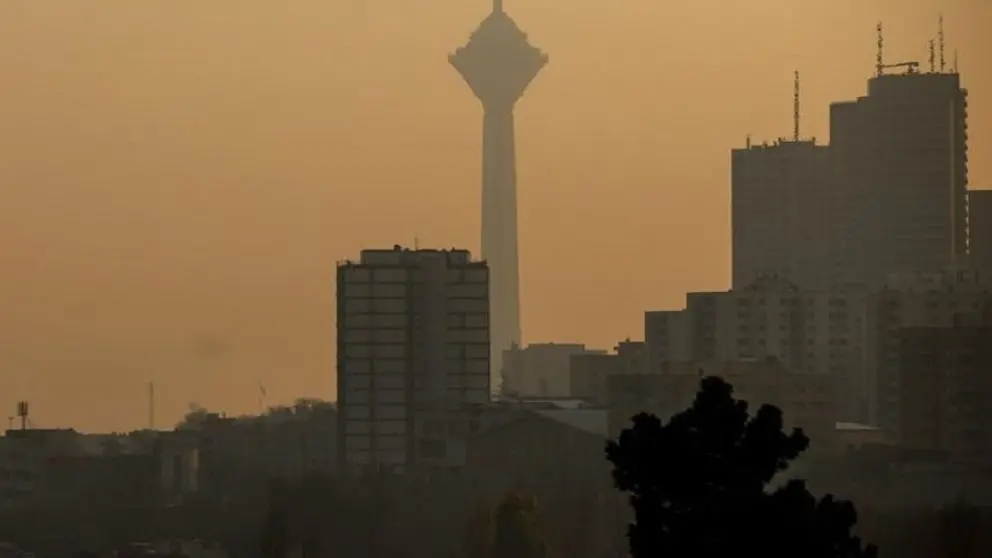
<point>540,369</point>
<point>900,175</point>
<point>413,351</point>
<point>588,376</point>
<point>946,388</point>
<point>666,337</point>
<point>980,230</point>
<point>633,356</point>
<point>778,223</point>
<point>811,332</point>
<point>915,300</point>
<point>807,400</point>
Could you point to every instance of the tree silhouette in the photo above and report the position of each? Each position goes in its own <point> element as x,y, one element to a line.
<point>516,531</point>
<point>698,486</point>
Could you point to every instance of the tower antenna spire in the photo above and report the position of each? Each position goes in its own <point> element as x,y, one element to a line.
<point>880,43</point>
<point>954,69</point>
<point>795,106</point>
<point>940,40</point>
<point>931,56</point>
<point>497,6</point>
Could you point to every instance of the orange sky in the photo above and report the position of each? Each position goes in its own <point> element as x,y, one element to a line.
<point>177,179</point>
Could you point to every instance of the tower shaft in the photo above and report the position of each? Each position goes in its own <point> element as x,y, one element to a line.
<point>499,225</point>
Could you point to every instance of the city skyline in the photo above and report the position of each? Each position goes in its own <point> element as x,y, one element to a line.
<point>191,259</point>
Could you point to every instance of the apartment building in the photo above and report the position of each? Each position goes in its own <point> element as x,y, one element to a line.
<point>809,331</point>
<point>933,300</point>
<point>946,387</point>
<point>589,373</point>
<point>980,230</point>
<point>413,357</point>
<point>806,400</point>
<point>778,223</point>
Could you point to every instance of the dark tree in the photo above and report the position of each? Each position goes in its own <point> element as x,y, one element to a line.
<point>698,485</point>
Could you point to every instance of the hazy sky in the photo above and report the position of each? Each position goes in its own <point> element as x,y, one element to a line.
<point>177,179</point>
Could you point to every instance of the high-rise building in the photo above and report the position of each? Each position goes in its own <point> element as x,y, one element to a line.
<point>779,226</point>
<point>498,64</point>
<point>413,356</point>
<point>980,230</point>
<point>778,223</point>
<point>899,187</point>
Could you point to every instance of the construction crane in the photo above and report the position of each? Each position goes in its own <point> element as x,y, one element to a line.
<point>912,67</point>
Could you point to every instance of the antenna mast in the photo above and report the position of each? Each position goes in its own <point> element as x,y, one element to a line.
<point>954,70</point>
<point>940,40</point>
<point>931,56</point>
<point>795,106</point>
<point>880,43</point>
<point>151,405</point>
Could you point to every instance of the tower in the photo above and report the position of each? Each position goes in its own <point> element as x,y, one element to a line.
<point>498,64</point>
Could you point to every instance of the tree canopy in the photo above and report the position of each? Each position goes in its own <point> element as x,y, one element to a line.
<point>698,485</point>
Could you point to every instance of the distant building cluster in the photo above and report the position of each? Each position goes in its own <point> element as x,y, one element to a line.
<point>209,454</point>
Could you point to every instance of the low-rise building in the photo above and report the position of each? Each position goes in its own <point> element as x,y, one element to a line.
<point>540,369</point>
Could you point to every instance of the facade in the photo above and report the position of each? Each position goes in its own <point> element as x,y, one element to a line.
<point>779,227</point>
<point>551,453</point>
<point>498,64</point>
<point>633,356</point>
<point>807,400</point>
<point>540,369</point>
<point>588,374</point>
<point>810,332</point>
<point>413,356</point>
<point>946,387</point>
<point>898,199</point>
<point>980,230</point>
<point>920,300</point>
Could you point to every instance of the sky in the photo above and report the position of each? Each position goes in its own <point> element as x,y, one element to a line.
<point>179,179</point>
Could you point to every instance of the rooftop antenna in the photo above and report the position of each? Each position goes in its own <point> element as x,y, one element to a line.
<point>747,141</point>
<point>151,405</point>
<point>940,40</point>
<point>416,242</point>
<point>497,6</point>
<point>22,413</point>
<point>795,106</point>
<point>880,43</point>
<point>954,68</point>
<point>931,56</point>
